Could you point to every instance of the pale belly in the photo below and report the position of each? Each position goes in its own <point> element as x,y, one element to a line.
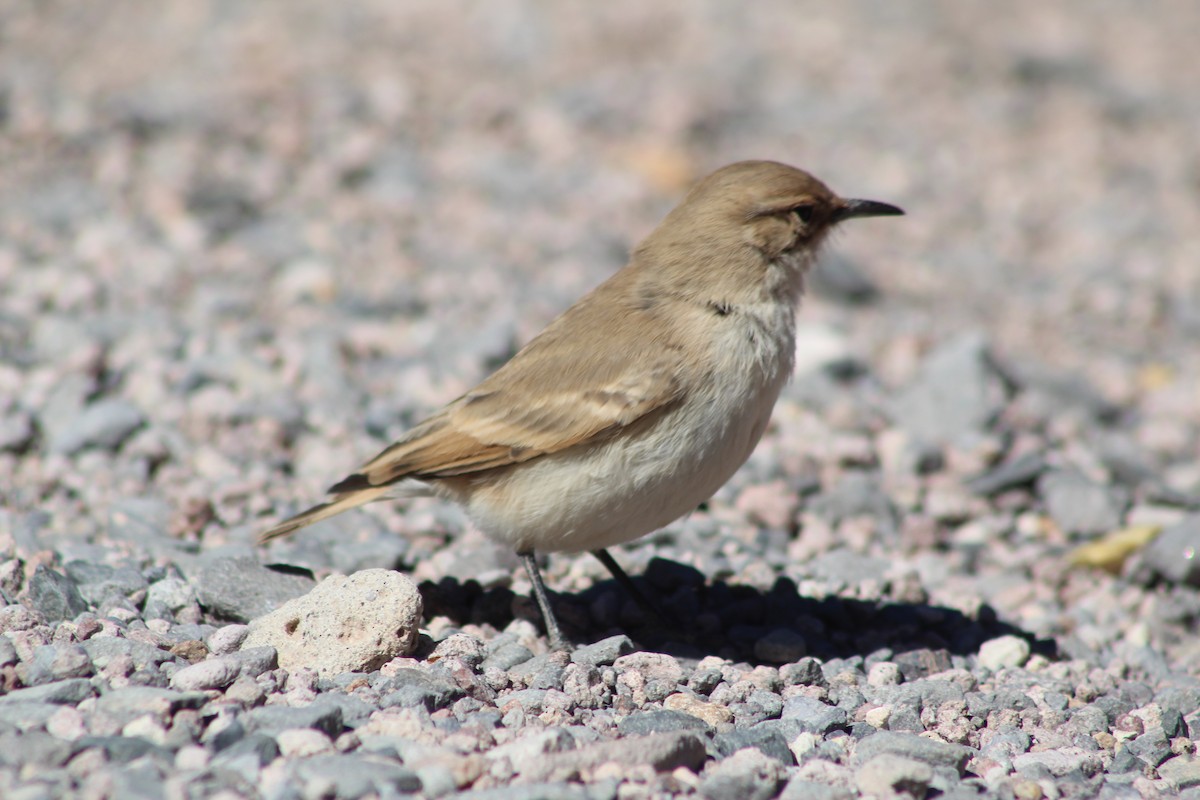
<point>588,498</point>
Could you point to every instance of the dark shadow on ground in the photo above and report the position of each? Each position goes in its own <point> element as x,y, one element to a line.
<point>737,622</point>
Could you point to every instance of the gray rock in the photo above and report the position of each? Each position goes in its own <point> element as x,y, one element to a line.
<point>908,745</point>
<point>254,661</point>
<point>173,593</point>
<point>888,775</point>
<point>956,393</point>
<point>56,662</point>
<point>272,719</point>
<point>103,649</point>
<point>240,589</point>
<point>1022,471</point>
<point>143,520</point>
<point>769,740</point>
<point>33,750</point>
<point>813,716</point>
<point>805,672</point>
<point>104,424</point>
<point>25,715</point>
<point>358,775</point>
<point>1078,505</point>
<point>801,789</point>
<point>1056,763</point>
<point>642,723</point>
<point>126,704</point>
<point>97,582</point>
<point>1151,747</point>
<point>123,749</point>
<point>54,595</point>
<point>261,747</point>
<point>856,494</point>
<point>506,657</point>
<point>746,775</point>
<point>68,692</point>
<point>413,687</point>
<point>662,751</point>
<point>603,652</point>
<point>532,700</point>
<point>1172,555</point>
<point>466,648</point>
<point>17,430</point>
<point>837,277</point>
<point>1181,772</point>
<point>346,624</point>
<point>558,790</point>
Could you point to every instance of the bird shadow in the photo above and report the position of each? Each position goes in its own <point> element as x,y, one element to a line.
<point>738,622</point>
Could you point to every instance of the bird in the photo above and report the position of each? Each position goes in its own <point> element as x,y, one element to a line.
<point>638,402</point>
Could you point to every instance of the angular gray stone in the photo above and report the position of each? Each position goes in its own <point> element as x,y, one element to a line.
<point>1173,556</point>
<point>1022,471</point>
<point>506,657</point>
<point>908,745</point>
<point>128,703</point>
<point>956,393</point>
<point>603,652</point>
<point>1181,772</point>
<point>33,749</point>
<point>642,723</point>
<point>410,688</point>
<point>273,719</point>
<point>123,749</point>
<point>352,623</point>
<point>102,649</point>
<point>104,424</point>
<point>813,716</point>
<point>767,739</point>
<point>662,751</point>
<point>746,775</point>
<point>353,775</point>
<point>240,589</point>
<point>97,581</point>
<point>68,692</point>
<point>1077,505</point>
<point>55,662</point>
<point>25,715</point>
<point>54,595</point>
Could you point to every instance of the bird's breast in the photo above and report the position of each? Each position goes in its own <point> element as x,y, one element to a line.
<point>650,474</point>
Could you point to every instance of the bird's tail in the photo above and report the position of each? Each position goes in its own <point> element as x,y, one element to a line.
<point>342,501</point>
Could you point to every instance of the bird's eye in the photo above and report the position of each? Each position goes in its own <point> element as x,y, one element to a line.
<point>805,212</point>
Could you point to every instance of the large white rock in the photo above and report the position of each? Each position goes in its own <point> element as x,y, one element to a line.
<point>353,623</point>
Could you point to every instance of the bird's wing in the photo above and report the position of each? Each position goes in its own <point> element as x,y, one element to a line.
<point>534,408</point>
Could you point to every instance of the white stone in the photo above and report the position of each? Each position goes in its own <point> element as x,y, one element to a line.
<point>353,623</point>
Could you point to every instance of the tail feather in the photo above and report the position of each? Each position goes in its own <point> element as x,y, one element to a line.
<point>343,501</point>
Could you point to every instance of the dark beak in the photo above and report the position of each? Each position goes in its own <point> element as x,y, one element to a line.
<point>865,208</point>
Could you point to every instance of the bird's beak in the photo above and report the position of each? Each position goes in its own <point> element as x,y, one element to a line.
<point>865,208</point>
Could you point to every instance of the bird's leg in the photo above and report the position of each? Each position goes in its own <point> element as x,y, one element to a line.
<point>644,602</point>
<point>557,640</point>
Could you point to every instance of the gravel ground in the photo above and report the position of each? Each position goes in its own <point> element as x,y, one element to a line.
<point>242,246</point>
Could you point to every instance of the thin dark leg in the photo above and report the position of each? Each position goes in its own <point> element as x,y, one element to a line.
<point>557,640</point>
<point>644,602</point>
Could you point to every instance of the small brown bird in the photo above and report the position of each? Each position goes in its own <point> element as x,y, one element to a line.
<point>643,398</point>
